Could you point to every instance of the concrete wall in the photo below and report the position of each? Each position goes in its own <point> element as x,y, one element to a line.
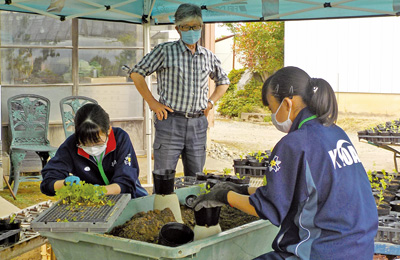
<point>369,104</point>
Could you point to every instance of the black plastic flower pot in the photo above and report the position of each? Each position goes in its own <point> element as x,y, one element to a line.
<point>164,181</point>
<point>393,186</point>
<point>211,182</point>
<point>240,162</point>
<point>174,234</point>
<point>234,179</point>
<point>389,195</point>
<point>395,204</point>
<point>219,177</point>
<point>383,209</point>
<point>207,216</point>
<point>201,176</point>
<point>6,225</point>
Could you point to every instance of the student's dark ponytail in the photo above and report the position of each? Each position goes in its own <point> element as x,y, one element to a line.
<point>323,101</point>
<point>317,94</point>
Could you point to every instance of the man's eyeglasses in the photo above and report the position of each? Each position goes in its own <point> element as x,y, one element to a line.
<point>186,28</point>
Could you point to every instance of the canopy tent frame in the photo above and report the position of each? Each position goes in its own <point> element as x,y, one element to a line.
<point>149,12</point>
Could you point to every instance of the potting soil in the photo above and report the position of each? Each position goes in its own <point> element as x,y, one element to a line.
<point>145,226</point>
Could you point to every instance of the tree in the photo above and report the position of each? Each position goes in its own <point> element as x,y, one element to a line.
<point>259,46</point>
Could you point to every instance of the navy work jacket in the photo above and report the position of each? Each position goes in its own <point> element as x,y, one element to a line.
<point>319,194</point>
<point>119,163</point>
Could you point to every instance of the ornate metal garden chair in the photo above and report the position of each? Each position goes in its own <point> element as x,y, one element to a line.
<point>29,122</point>
<point>68,108</point>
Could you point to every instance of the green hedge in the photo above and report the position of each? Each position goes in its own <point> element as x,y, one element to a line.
<point>246,100</point>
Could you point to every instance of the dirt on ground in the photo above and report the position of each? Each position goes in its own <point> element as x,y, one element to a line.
<point>240,138</point>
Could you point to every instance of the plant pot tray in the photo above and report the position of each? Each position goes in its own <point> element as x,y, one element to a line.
<point>8,237</point>
<point>89,219</point>
<point>186,181</point>
<point>252,171</point>
<point>389,228</point>
<point>380,139</point>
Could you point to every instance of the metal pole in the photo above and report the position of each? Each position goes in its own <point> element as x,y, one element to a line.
<point>75,56</point>
<point>148,119</point>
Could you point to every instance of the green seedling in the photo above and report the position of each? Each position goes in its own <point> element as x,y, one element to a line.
<point>259,159</point>
<point>240,178</point>
<point>204,188</point>
<point>381,197</point>
<point>227,171</point>
<point>205,171</point>
<point>62,220</point>
<point>12,218</point>
<point>82,194</point>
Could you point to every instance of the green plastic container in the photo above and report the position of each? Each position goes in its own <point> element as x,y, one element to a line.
<point>241,243</point>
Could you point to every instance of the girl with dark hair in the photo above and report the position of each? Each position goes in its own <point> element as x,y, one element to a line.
<point>317,190</point>
<point>97,154</point>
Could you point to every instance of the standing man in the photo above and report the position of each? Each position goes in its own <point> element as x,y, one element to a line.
<point>183,68</point>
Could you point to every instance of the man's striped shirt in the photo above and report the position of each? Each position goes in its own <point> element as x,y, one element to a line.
<point>182,77</point>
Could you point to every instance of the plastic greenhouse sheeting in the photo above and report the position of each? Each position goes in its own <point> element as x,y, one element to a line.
<point>243,242</point>
<point>162,11</point>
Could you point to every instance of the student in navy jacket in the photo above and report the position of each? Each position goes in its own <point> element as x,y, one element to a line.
<point>97,154</point>
<point>317,190</point>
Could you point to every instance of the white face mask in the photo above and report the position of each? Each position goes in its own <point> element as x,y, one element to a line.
<point>284,126</point>
<point>95,150</point>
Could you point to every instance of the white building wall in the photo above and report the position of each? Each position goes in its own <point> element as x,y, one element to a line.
<point>224,52</point>
<point>354,55</point>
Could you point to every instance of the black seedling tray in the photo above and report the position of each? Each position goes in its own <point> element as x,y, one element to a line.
<point>8,237</point>
<point>83,219</point>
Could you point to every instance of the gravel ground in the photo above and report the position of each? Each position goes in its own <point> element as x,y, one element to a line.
<point>232,138</point>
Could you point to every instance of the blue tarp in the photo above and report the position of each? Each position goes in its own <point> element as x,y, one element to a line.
<point>161,11</point>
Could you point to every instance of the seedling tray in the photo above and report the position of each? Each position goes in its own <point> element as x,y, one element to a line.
<point>8,237</point>
<point>84,219</point>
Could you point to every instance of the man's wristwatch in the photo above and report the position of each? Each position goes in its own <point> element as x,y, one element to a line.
<point>211,102</point>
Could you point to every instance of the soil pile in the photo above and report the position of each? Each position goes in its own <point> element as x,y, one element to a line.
<point>145,226</point>
<point>231,217</point>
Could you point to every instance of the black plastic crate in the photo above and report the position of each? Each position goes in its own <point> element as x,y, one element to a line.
<point>247,170</point>
<point>9,237</point>
<point>389,228</point>
<point>85,219</point>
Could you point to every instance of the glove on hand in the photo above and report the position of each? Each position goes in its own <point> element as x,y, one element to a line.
<point>216,197</point>
<point>241,189</point>
<point>71,179</point>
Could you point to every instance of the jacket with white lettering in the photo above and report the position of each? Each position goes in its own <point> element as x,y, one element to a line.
<point>319,194</point>
<point>119,163</point>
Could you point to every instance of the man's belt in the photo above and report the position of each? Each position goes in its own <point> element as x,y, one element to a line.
<point>187,114</point>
